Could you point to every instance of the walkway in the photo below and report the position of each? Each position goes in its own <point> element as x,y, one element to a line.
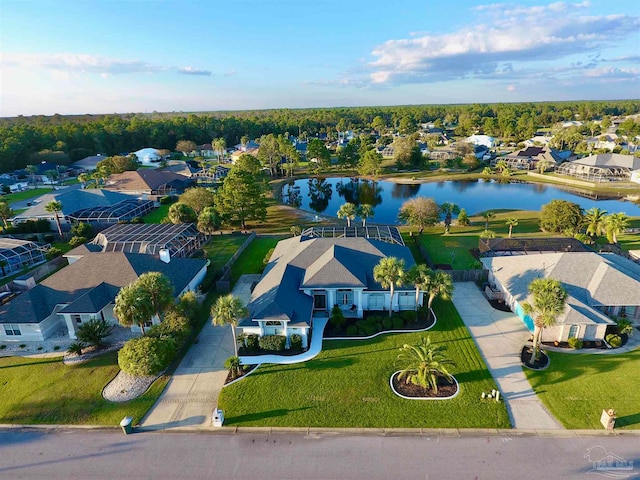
<point>500,337</point>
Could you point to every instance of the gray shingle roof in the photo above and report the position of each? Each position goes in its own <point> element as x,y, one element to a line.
<point>303,262</point>
<point>112,270</point>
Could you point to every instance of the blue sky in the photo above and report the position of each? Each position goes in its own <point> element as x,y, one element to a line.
<point>75,57</point>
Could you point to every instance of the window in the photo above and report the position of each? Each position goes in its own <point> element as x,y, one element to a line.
<point>12,330</point>
<point>628,311</point>
<point>573,331</point>
<point>76,319</point>
<point>319,301</point>
<point>344,297</point>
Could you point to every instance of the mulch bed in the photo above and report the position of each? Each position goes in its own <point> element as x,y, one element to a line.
<point>526,357</point>
<point>330,332</point>
<point>445,389</point>
<point>586,345</point>
<point>287,352</point>
<point>245,370</point>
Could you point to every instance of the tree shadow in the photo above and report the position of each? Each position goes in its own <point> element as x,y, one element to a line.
<point>628,420</point>
<point>250,417</point>
<point>53,360</point>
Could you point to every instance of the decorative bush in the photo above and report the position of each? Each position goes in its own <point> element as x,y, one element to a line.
<point>295,342</point>
<point>575,343</point>
<point>387,323</point>
<point>94,332</point>
<point>488,234</point>
<point>398,322</point>
<point>174,325</point>
<point>147,355</point>
<point>251,342</point>
<point>77,241</point>
<point>352,331</point>
<point>234,366</point>
<point>52,253</point>
<point>624,326</point>
<point>409,316</point>
<point>81,229</point>
<point>267,257</point>
<point>337,319</point>
<point>614,340</point>
<point>76,348</point>
<point>273,343</point>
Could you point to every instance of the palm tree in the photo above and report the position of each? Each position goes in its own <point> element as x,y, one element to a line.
<point>6,212</point>
<point>501,165</point>
<point>389,272</point>
<point>424,364</point>
<point>615,224</point>
<point>55,207</point>
<point>365,211</point>
<point>347,210</point>
<point>82,178</point>
<point>420,277</point>
<point>488,215</point>
<point>440,285</point>
<point>543,165</point>
<point>228,310</point>
<point>220,146</point>
<point>133,306</point>
<point>31,170</point>
<point>487,171</point>
<point>511,222</point>
<point>160,291</point>
<point>595,219</point>
<point>549,299</point>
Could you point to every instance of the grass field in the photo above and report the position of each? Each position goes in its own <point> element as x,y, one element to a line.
<point>157,215</point>
<point>347,385</point>
<point>252,259</point>
<point>44,391</point>
<point>577,387</point>
<point>25,195</point>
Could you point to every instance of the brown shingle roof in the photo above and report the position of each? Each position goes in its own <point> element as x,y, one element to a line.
<point>144,180</point>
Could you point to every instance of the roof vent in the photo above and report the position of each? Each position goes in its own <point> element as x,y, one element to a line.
<point>165,256</point>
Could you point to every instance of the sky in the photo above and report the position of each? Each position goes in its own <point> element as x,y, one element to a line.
<point>81,56</point>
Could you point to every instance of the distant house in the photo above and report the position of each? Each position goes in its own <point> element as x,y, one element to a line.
<point>148,182</point>
<point>306,276</point>
<point>72,201</point>
<point>41,172</point>
<point>205,150</point>
<point>600,286</point>
<point>14,184</point>
<point>484,140</point>
<point>603,167</point>
<point>149,157</point>
<point>102,216</point>
<point>529,158</point>
<point>249,151</point>
<point>85,290</point>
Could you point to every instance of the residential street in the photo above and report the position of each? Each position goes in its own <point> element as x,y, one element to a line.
<point>110,454</point>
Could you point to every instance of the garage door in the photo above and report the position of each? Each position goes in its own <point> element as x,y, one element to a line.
<point>406,301</point>
<point>376,301</point>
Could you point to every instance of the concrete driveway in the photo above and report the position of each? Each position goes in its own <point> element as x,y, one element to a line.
<point>192,393</point>
<point>500,337</point>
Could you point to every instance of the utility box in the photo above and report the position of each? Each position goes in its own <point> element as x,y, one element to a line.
<point>217,419</point>
<point>127,425</point>
<point>608,419</point>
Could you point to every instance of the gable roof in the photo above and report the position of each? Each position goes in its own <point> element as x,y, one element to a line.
<point>145,180</point>
<point>303,262</point>
<point>610,160</point>
<point>90,280</point>
<point>591,280</point>
<point>73,199</point>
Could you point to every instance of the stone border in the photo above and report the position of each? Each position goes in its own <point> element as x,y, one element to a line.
<point>423,398</point>
<point>537,369</point>
<point>136,386</point>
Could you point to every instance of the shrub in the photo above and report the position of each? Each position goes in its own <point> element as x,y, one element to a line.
<point>614,340</point>
<point>295,342</point>
<point>94,332</point>
<point>146,355</point>
<point>189,307</point>
<point>352,331</point>
<point>233,365</point>
<point>274,343</point>
<point>3,346</point>
<point>49,238</point>
<point>387,323</point>
<point>52,253</point>
<point>136,220</point>
<point>267,257</point>
<point>174,325</point>
<point>575,343</point>
<point>398,323</point>
<point>624,326</point>
<point>56,348</point>
<point>81,229</point>
<point>488,234</point>
<point>76,241</point>
<point>167,200</point>
<point>409,316</point>
<point>251,342</point>
<point>23,345</point>
<point>76,347</point>
<point>337,319</point>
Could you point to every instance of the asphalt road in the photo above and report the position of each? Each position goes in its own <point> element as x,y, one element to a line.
<point>72,454</point>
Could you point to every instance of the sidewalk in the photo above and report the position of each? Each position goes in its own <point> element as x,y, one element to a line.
<point>500,337</point>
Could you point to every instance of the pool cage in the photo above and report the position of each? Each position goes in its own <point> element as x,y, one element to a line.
<point>384,233</point>
<point>17,254</point>
<point>109,214</point>
<point>182,240</point>
<point>495,247</point>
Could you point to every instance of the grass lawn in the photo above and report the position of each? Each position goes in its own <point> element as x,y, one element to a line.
<point>631,241</point>
<point>44,391</point>
<point>577,387</point>
<point>347,385</point>
<point>25,195</point>
<point>157,215</point>
<point>252,259</point>
<point>462,240</point>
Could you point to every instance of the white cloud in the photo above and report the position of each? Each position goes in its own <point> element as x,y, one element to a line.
<point>501,34</point>
<point>194,71</point>
<point>613,72</point>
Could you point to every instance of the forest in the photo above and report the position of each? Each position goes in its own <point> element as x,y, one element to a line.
<point>65,139</point>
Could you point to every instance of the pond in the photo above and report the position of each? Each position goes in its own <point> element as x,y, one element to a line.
<point>324,196</point>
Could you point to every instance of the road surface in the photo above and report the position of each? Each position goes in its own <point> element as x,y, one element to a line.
<point>106,455</point>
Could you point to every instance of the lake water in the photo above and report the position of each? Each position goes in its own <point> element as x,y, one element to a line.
<point>324,196</point>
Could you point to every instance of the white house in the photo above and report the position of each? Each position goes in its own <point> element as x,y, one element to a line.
<point>149,157</point>
<point>307,276</point>
<point>484,140</point>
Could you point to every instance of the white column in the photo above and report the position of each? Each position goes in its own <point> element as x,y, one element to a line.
<point>331,298</point>
<point>357,299</point>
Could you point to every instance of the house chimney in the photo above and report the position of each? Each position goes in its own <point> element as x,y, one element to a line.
<point>165,256</point>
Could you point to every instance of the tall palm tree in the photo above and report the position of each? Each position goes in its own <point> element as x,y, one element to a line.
<point>440,285</point>
<point>501,165</point>
<point>220,146</point>
<point>615,224</point>
<point>365,211</point>
<point>55,207</point>
<point>511,222</point>
<point>543,165</point>
<point>487,171</point>
<point>160,291</point>
<point>420,277</point>
<point>424,364</point>
<point>133,306</point>
<point>595,219</point>
<point>31,170</point>
<point>488,215</point>
<point>347,210</point>
<point>389,272</point>
<point>228,309</point>
<point>549,300</point>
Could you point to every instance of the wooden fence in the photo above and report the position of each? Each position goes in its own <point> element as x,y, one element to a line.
<point>223,284</point>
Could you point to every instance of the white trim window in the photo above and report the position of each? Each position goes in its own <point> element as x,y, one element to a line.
<point>12,330</point>
<point>344,297</point>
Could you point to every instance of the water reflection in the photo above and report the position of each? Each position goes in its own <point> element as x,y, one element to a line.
<point>405,190</point>
<point>360,192</point>
<point>320,193</point>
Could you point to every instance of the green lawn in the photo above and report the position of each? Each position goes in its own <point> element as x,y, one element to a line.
<point>219,250</point>
<point>347,385</point>
<point>157,215</point>
<point>631,241</point>
<point>252,259</point>
<point>577,387</point>
<point>44,391</point>
<point>25,195</point>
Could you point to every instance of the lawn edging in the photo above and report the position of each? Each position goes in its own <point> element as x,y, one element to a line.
<point>243,376</point>
<point>385,332</point>
<point>423,398</point>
